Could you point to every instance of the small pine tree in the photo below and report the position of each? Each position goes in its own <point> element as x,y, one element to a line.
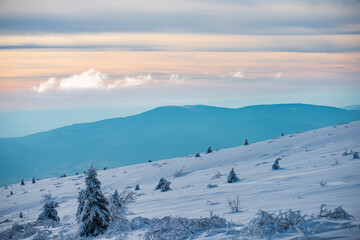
<point>115,204</point>
<point>105,168</point>
<point>355,155</point>
<point>276,164</point>
<point>77,173</point>
<point>137,187</point>
<point>33,180</point>
<point>164,185</point>
<point>197,155</point>
<point>209,150</point>
<point>22,182</point>
<point>282,134</point>
<point>81,202</point>
<point>246,142</point>
<point>94,216</point>
<point>49,212</point>
<point>11,193</point>
<point>232,177</point>
<point>21,215</point>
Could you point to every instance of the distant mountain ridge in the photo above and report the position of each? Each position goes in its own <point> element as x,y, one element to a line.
<point>352,107</point>
<point>160,133</point>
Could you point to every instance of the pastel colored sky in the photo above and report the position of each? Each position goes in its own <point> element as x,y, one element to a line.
<point>113,58</point>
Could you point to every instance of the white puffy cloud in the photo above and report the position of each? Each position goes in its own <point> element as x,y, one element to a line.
<point>238,74</point>
<point>86,80</point>
<point>92,79</point>
<point>278,75</point>
<point>49,84</point>
<point>131,81</point>
<point>175,78</point>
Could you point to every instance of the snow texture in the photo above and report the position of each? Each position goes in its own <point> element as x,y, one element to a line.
<point>308,158</point>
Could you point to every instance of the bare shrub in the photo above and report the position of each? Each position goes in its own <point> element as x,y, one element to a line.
<point>269,223</point>
<point>347,153</point>
<point>181,228</point>
<point>338,213</point>
<point>127,196</point>
<point>323,184</point>
<point>178,173</point>
<point>46,197</point>
<point>234,204</point>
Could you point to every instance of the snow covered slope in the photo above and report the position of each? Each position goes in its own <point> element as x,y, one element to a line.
<point>306,160</point>
<point>161,133</point>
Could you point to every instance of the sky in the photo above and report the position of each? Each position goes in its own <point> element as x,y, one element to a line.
<point>64,62</point>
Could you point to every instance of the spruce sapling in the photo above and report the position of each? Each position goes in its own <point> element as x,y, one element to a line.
<point>232,177</point>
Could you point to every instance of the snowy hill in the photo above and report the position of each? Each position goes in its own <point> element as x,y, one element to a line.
<point>161,133</point>
<point>307,159</point>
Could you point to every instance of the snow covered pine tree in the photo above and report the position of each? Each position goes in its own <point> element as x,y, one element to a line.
<point>49,212</point>
<point>94,215</point>
<point>276,164</point>
<point>232,177</point>
<point>164,185</point>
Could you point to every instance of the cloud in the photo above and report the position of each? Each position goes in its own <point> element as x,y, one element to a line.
<point>278,75</point>
<point>86,80</point>
<point>93,79</point>
<point>230,17</point>
<point>238,74</point>
<point>131,81</point>
<point>90,79</point>
<point>175,78</point>
<point>49,84</point>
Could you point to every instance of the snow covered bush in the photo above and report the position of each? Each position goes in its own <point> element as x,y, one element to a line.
<point>46,197</point>
<point>127,196</point>
<point>212,185</point>
<point>232,177</point>
<point>163,185</point>
<point>118,202</point>
<point>267,224</point>
<point>137,187</point>
<point>209,150</point>
<point>22,182</point>
<point>197,155</point>
<point>93,213</point>
<point>276,164</point>
<point>323,184</point>
<point>347,153</point>
<point>19,231</point>
<point>115,205</point>
<point>177,228</point>
<point>49,212</point>
<point>355,155</point>
<point>234,204</point>
<point>217,175</point>
<point>338,213</point>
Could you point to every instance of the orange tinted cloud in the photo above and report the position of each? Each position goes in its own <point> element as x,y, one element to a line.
<point>186,42</point>
<point>23,69</point>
